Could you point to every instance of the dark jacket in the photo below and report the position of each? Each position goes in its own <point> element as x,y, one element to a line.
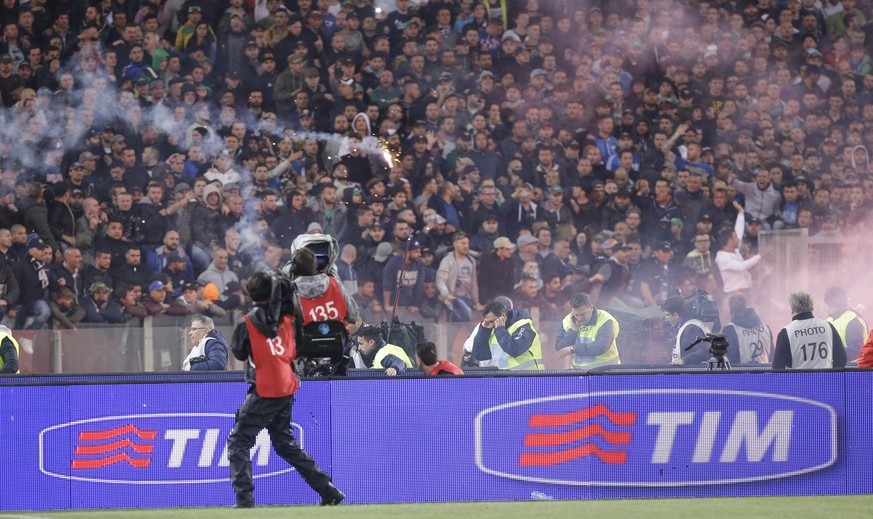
<point>117,313</point>
<point>118,248</point>
<point>155,308</point>
<point>205,224</point>
<point>215,358</point>
<point>93,313</point>
<point>8,284</point>
<point>132,275</point>
<point>131,223</point>
<point>61,220</point>
<point>154,225</point>
<point>33,286</point>
<point>290,225</point>
<point>36,219</point>
<point>90,274</point>
<point>496,277</point>
<point>59,272</point>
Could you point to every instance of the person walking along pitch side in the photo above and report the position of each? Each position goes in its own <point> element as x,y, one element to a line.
<point>266,340</point>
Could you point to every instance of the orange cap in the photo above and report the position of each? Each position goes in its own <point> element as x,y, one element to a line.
<point>210,292</point>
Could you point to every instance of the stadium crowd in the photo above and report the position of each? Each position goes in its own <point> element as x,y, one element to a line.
<point>155,153</point>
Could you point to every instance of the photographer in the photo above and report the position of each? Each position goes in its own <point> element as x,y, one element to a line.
<point>687,329</point>
<point>808,342</point>
<point>266,339</point>
<point>751,339</point>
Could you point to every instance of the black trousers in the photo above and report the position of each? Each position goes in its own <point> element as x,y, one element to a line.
<point>274,414</point>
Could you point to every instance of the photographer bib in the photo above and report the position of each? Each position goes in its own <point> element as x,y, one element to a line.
<point>678,346</point>
<point>753,343</point>
<point>812,344</point>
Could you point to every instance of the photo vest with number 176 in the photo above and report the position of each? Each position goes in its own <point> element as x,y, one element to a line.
<point>812,343</point>
<point>273,360</point>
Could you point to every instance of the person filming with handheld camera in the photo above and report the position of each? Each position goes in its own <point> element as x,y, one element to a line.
<point>266,339</point>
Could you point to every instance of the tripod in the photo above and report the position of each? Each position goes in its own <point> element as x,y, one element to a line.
<point>717,348</point>
<point>718,363</point>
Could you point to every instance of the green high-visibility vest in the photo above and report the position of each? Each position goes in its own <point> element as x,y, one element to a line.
<point>841,323</point>
<point>390,349</point>
<point>588,334</point>
<point>532,358</point>
<point>4,335</point>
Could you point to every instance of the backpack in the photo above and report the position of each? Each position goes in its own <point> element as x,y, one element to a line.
<point>407,336</point>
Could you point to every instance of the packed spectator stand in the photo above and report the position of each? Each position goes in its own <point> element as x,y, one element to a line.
<point>156,153</point>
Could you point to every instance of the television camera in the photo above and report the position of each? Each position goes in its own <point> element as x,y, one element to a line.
<point>718,346</point>
<point>322,346</point>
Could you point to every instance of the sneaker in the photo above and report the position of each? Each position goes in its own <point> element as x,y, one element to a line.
<point>331,496</point>
<point>26,345</point>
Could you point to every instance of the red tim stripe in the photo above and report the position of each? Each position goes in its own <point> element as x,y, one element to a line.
<point>139,463</point>
<point>556,439</point>
<point>118,431</point>
<point>541,459</point>
<point>82,450</point>
<point>557,420</point>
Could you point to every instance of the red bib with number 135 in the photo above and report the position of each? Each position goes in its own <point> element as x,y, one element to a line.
<point>330,306</point>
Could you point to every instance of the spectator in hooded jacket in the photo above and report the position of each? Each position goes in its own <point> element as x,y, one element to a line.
<point>205,225</point>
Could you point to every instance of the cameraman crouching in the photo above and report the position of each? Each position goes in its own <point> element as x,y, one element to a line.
<point>320,297</point>
<point>687,330</point>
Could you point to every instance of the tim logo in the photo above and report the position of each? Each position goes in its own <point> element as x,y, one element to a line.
<point>576,438</point>
<point>97,449</point>
<point>656,437</point>
<point>151,449</point>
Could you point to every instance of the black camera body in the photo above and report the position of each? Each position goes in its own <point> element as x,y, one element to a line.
<point>718,344</point>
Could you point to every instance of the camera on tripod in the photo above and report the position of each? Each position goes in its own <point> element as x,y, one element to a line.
<point>718,346</point>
